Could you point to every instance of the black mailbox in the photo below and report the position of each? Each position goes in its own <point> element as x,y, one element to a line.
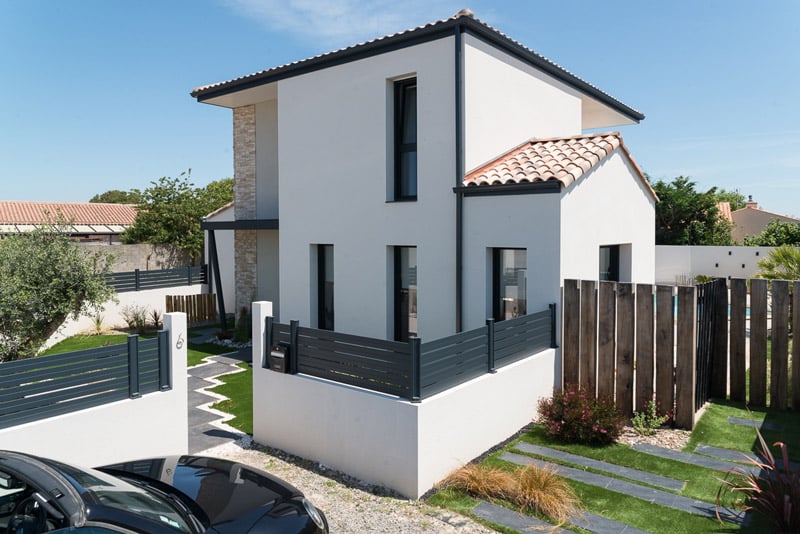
<point>278,358</point>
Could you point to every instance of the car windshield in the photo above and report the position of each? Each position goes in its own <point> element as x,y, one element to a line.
<point>116,493</point>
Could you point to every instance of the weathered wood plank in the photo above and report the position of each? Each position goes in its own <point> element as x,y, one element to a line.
<point>719,359</point>
<point>626,313</point>
<point>645,346</point>
<point>779,368</point>
<point>685,365</point>
<point>588,345</point>
<point>665,349</point>
<point>571,332</point>
<point>606,332</point>
<point>738,343</point>
<point>758,342</point>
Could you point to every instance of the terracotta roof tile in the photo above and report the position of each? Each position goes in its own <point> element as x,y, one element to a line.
<point>725,211</point>
<point>560,159</point>
<point>83,213</point>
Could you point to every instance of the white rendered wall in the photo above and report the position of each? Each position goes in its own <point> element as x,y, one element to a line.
<point>155,424</point>
<point>267,160</point>
<point>112,315</point>
<point>608,206</point>
<point>686,262</point>
<point>531,222</point>
<point>507,102</point>
<point>225,255</point>
<point>384,440</point>
<point>335,160</point>
<point>268,267</point>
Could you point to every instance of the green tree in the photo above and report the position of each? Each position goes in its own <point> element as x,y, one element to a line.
<point>45,279</point>
<point>783,263</point>
<point>115,196</point>
<point>734,198</point>
<point>171,210</point>
<point>775,234</point>
<point>685,216</point>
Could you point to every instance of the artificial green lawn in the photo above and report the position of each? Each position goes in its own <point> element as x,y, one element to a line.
<point>238,387</point>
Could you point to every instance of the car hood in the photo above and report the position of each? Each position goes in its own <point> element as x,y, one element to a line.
<point>233,496</point>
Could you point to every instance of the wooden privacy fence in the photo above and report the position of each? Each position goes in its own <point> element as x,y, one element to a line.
<point>635,342</point>
<point>412,370</point>
<point>198,308</point>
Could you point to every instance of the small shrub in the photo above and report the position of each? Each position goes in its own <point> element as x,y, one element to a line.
<point>155,318</point>
<point>574,416</point>
<point>646,422</point>
<point>135,316</point>
<point>773,492</point>
<point>542,490</point>
<point>97,319</point>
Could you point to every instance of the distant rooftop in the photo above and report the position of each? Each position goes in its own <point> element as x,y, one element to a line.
<point>84,217</point>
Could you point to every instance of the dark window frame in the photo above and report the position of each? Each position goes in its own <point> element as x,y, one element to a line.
<point>401,313</point>
<point>497,275</point>
<point>403,181</point>
<point>325,321</point>
<point>612,274</point>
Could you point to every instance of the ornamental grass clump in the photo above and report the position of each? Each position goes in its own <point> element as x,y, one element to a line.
<point>773,492</point>
<point>573,415</point>
<point>481,481</point>
<point>541,489</point>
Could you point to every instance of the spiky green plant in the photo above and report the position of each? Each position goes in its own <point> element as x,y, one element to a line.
<point>782,263</point>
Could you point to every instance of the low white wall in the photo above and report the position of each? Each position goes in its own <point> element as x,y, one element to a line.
<point>156,424</point>
<point>112,314</point>
<point>388,441</point>
<point>674,263</point>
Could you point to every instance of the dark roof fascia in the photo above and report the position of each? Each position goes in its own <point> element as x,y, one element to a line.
<point>331,59</point>
<point>241,224</point>
<point>520,51</point>
<point>530,188</point>
<point>411,38</point>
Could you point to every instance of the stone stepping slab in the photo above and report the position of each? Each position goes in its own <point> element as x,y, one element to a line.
<point>525,523</point>
<point>618,470</point>
<point>693,459</point>
<point>752,424</point>
<point>739,456</point>
<point>652,495</point>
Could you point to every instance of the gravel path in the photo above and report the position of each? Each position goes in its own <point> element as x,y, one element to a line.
<point>349,504</point>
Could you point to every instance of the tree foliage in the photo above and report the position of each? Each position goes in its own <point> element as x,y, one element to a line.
<point>685,216</point>
<point>171,209</point>
<point>775,234</point>
<point>115,196</point>
<point>45,279</point>
<point>783,263</point>
<point>734,198</point>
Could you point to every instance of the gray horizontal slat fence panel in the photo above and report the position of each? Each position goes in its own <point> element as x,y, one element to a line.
<point>41,401</point>
<point>521,336</point>
<point>455,339</point>
<point>19,418</point>
<point>60,360</point>
<point>446,356</point>
<point>524,348</point>
<point>52,372</point>
<point>450,380</point>
<point>43,386</point>
<point>359,361</point>
<point>281,333</point>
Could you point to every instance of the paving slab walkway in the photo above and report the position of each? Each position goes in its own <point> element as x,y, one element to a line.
<point>694,459</point>
<point>525,523</point>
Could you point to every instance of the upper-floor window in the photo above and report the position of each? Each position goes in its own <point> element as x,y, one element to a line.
<point>510,266</point>
<point>405,139</point>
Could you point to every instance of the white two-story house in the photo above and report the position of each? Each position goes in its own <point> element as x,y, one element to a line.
<point>420,183</point>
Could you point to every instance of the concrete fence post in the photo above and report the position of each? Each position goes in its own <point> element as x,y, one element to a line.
<point>261,310</point>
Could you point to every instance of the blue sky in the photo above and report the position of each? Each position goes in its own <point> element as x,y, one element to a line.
<point>94,94</point>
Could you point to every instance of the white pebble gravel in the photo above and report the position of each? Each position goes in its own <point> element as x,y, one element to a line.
<point>349,505</point>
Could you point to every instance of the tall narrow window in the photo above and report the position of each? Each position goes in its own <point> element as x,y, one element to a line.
<point>609,263</point>
<point>510,273</point>
<point>405,293</point>
<point>405,139</point>
<point>325,287</point>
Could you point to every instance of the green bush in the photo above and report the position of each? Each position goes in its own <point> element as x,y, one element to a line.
<point>573,415</point>
<point>646,422</point>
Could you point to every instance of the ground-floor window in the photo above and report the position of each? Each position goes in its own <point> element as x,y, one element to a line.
<point>405,293</point>
<point>609,263</point>
<point>325,287</point>
<point>510,266</point>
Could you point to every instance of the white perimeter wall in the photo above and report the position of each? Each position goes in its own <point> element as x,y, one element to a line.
<point>112,314</point>
<point>387,441</point>
<point>608,206</point>
<point>335,160</point>
<point>156,424</point>
<point>507,102</point>
<point>677,262</point>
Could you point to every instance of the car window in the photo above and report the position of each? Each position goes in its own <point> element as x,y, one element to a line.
<point>116,493</point>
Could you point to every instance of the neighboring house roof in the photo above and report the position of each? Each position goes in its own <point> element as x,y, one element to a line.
<point>563,159</point>
<point>83,217</point>
<point>464,19</point>
<point>219,210</point>
<point>725,211</point>
<point>752,220</point>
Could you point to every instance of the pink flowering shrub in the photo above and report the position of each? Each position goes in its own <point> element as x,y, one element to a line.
<point>574,416</point>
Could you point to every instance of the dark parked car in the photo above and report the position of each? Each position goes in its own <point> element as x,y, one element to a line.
<point>179,494</point>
